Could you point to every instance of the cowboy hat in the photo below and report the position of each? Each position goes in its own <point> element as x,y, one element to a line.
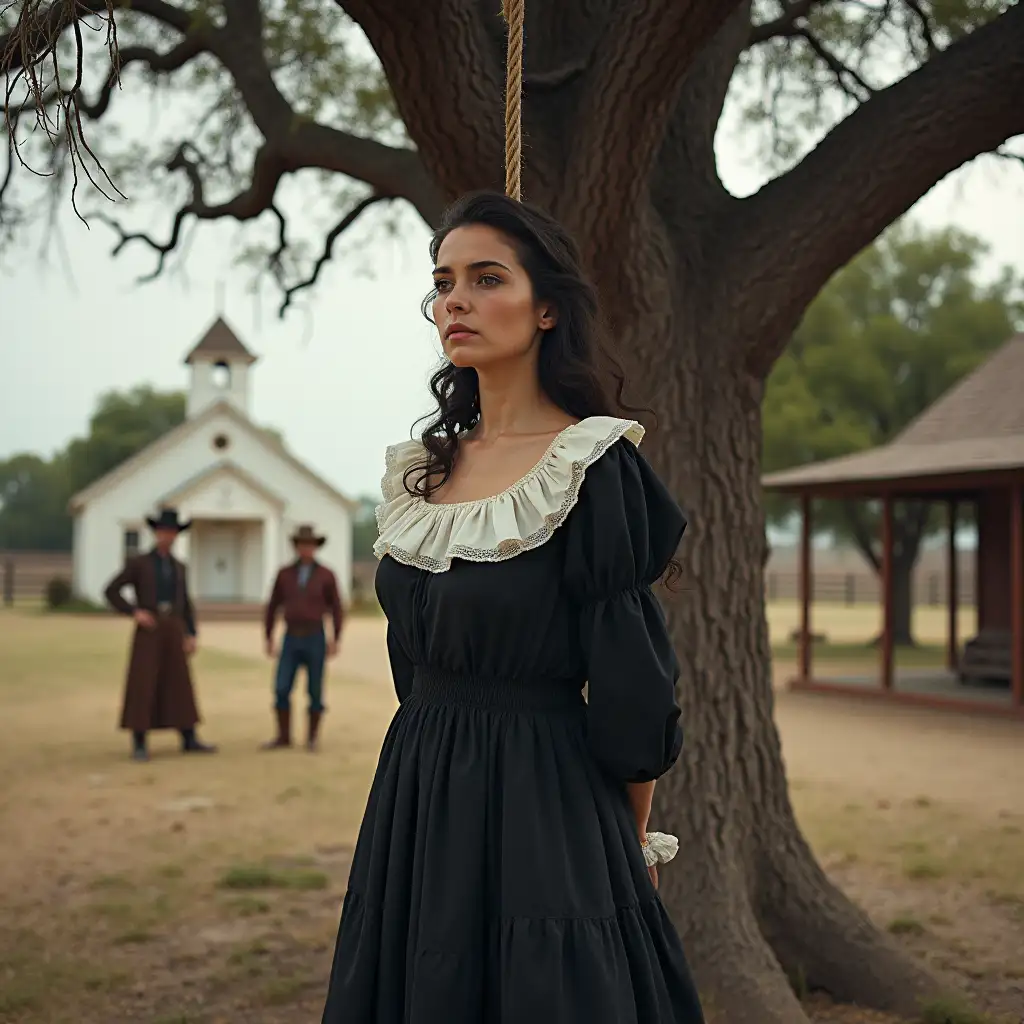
<point>168,520</point>
<point>305,534</point>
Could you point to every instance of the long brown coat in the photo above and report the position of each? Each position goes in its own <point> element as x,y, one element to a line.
<point>158,691</point>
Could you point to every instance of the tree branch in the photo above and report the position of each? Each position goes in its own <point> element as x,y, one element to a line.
<point>842,72</point>
<point>333,235</point>
<point>925,24</point>
<point>450,94</point>
<point>238,46</point>
<point>268,169</point>
<point>641,62</point>
<point>803,226</point>
<point>785,23</point>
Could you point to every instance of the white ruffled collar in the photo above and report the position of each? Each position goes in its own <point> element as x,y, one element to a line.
<point>520,518</point>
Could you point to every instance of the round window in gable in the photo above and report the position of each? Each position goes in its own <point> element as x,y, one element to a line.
<point>220,442</point>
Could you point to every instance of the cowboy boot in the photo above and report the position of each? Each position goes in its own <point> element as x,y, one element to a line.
<point>139,751</point>
<point>284,730</point>
<point>191,744</point>
<point>314,728</point>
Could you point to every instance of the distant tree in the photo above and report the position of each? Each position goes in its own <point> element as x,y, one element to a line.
<point>888,335</point>
<point>365,528</point>
<point>33,505</point>
<point>34,492</point>
<point>124,423</point>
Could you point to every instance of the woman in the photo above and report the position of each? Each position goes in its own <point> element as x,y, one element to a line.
<point>500,874</point>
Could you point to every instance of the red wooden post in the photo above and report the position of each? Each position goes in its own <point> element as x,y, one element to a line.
<point>887,609</point>
<point>805,588</point>
<point>953,597</point>
<point>979,590</point>
<point>1017,591</point>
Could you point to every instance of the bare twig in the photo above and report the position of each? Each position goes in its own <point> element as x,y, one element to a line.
<point>29,56</point>
<point>268,169</point>
<point>926,26</point>
<point>346,222</point>
<point>785,23</point>
<point>843,73</point>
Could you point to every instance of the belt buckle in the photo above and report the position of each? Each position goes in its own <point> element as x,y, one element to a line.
<point>164,608</point>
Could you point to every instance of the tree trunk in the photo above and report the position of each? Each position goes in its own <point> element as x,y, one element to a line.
<point>757,914</point>
<point>903,603</point>
<point>752,905</point>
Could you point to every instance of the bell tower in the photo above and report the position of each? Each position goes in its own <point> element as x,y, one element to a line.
<point>220,366</point>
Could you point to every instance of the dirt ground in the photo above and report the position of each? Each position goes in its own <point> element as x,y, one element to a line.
<point>203,891</point>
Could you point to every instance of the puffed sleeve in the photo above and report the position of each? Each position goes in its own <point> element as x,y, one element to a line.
<point>621,535</point>
<point>401,666</point>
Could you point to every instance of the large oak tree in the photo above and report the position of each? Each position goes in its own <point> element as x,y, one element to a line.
<point>702,289</point>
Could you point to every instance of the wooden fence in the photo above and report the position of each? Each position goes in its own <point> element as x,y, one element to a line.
<point>25,574</point>
<point>929,588</point>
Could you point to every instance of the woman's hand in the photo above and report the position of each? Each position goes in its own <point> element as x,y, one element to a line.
<point>653,872</point>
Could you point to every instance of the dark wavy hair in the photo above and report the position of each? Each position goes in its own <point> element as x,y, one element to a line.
<point>575,366</point>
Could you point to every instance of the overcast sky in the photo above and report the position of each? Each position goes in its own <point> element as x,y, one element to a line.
<point>341,380</point>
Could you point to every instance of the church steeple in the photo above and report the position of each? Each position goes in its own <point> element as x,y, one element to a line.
<point>220,370</point>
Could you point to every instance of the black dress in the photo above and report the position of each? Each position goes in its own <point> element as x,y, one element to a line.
<point>497,878</point>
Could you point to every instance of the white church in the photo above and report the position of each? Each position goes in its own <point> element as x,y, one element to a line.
<point>242,490</point>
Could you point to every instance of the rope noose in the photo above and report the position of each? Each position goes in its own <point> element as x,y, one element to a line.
<point>514,11</point>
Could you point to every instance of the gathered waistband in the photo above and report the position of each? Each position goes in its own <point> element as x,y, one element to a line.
<point>437,686</point>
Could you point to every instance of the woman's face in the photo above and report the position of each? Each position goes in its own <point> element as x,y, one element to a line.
<point>485,310</point>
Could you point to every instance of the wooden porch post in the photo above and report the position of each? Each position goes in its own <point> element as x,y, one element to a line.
<point>805,588</point>
<point>1017,591</point>
<point>887,609</point>
<point>953,582</point>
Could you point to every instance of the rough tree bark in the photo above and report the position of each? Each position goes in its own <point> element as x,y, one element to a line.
<point>702,291</point>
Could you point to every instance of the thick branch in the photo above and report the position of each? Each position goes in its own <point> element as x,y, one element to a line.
<point>803,226</point>
<point>641,62</point>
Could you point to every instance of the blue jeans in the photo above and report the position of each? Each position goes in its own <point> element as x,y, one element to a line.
<point>309,652</point>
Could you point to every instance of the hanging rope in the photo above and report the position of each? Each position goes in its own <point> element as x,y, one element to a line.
<point>514,12</point>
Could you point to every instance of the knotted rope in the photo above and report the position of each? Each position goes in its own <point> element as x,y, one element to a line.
<point>514,12</point>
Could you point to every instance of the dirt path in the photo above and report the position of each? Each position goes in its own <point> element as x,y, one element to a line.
<point>895,752</point>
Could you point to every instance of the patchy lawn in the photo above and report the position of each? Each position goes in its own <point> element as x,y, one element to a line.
<point>197,891</point>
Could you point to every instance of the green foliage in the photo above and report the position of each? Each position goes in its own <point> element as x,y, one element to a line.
<point>34,492</point>
<point>790,94</point>
<point>886,338</point>
<point>58,592</point>
<point>33,499</point>
<point>364,532</point>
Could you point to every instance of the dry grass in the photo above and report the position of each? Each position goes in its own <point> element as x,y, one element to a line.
<point>195,891</point>
<point>857,624</point>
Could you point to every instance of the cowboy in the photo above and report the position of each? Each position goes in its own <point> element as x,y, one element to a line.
<point>158,692</point>
<point>307,591</point>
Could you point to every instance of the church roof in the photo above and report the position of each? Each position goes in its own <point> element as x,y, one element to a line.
<point>186,429</point>
<point>220,343</point>
<point>976,426</point>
